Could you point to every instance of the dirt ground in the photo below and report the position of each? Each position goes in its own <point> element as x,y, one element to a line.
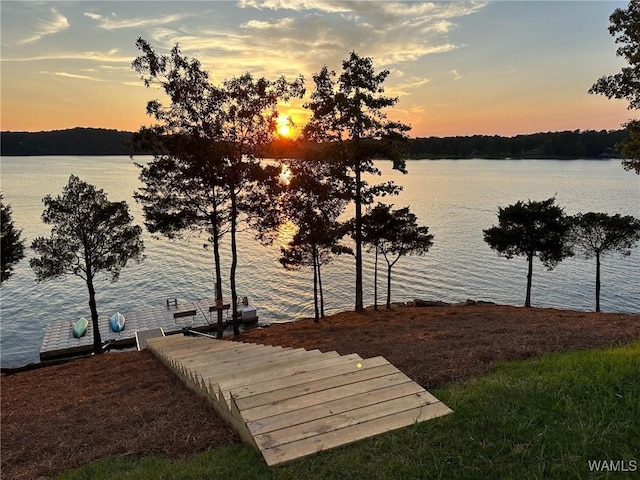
<point>126,403</point>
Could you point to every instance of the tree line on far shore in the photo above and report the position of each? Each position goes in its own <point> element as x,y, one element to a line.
<point>562,145</point>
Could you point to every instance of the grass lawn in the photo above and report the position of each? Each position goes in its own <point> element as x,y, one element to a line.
<point>541,418</point>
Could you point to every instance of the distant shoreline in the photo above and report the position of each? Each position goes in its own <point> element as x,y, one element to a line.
<point>565,145</point>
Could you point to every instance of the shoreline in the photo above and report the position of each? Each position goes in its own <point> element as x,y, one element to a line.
<point>124,392</point>
<point>416,303</point>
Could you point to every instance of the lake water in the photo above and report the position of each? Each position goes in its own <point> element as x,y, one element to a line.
<point>457,199</point>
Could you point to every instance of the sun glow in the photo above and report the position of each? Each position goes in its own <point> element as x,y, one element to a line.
<point>284,126</point>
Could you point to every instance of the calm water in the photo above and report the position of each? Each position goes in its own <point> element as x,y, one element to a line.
<point>457,199</point>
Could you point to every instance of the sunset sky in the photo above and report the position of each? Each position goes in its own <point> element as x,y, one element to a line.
<point>458,68</point>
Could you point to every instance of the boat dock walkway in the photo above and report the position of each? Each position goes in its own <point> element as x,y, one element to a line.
<point>172,318</point>
<point>289,402</point>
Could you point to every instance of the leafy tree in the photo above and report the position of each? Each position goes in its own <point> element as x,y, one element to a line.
<point>249,125</point>
<point>314,247</point>
<point>374,228</point>
<point>594,234</point>
<point>395,233</point>
<point>207,172</point>
<point>313,201</point>
<point>531,229</point>
<point>90,234</point>
<point>186,193</point>
<point>12,247</point>
<point>625,27</point>
<point>348,115</point>
<point>630,146</point>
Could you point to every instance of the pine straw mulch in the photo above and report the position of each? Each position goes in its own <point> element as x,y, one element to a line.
<point>59,417</point>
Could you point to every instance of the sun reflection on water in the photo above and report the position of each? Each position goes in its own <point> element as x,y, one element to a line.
<point>286,231</point>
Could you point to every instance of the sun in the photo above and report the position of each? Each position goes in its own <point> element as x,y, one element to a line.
<point>284,126</point>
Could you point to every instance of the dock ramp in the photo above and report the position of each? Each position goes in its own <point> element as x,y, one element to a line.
<point>143,335</point>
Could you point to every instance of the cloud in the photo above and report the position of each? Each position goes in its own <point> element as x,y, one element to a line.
<point>456,75</point>
<point>112,22</point>
<point>409,52</point>
<point>433,10</point>
<point>284,37</point>
<point>72,75</point>
<point>381,10</point>
<point>48,26</point>
<point>283,23</point>
<point>321,31</point>
<point>110,56</point>
<point>406,87</point>
<point>298,5</point>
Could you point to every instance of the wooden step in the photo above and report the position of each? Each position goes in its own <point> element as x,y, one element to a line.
<point>324,396</point>
<point>344,419</point>
<point>319,385</point>
<point>353,433</point>
<point>293,375</point>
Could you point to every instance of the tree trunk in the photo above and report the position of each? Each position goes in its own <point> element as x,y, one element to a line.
<point>234,265</point>
<point>527,302</point>
<point>97,340</point>
<point>389,286</point>
<point>597,281</point>
<point>321,292</point>
<point>375,282</point>
<point>315,288</point>
<point>358,239</point>
<point>218,286</point>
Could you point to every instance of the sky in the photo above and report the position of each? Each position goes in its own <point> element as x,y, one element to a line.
<point>457,68</point>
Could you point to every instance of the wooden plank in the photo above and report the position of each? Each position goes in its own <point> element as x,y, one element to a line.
<point>229,368</point>
<point>241,427</point>
<point>254,374</point>
<point>298,403</point>
<point>233,348</point>
<point>223,405</point>
<point>273,360</point>
<point>177,345</point>
<point>202,350</point>
<point>175,350</point>
<point>325,383</point>
<point>334,407</point>
<point>253,371</point>
<point>186,313</point>
<point>142,336</point>
<point>307,446</point>
<point>208,361</point>
<point>205,357</point>
<point>167,341</point>
<point>184,343</point>
<point>191,345</point>
<point>344,419</point>
<point>258,373</point>
<point>273,379</point>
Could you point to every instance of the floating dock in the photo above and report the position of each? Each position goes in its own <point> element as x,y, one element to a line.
<point>201,316</point>
<point>289,403</point>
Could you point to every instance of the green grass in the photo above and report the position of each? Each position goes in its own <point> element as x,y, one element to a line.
<point>542,418</point>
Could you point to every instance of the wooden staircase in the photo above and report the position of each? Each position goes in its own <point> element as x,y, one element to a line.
<point>290,402</point>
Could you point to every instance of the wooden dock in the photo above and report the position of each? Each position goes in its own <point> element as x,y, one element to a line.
<point>289,403</point>
<point>59,341</point>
